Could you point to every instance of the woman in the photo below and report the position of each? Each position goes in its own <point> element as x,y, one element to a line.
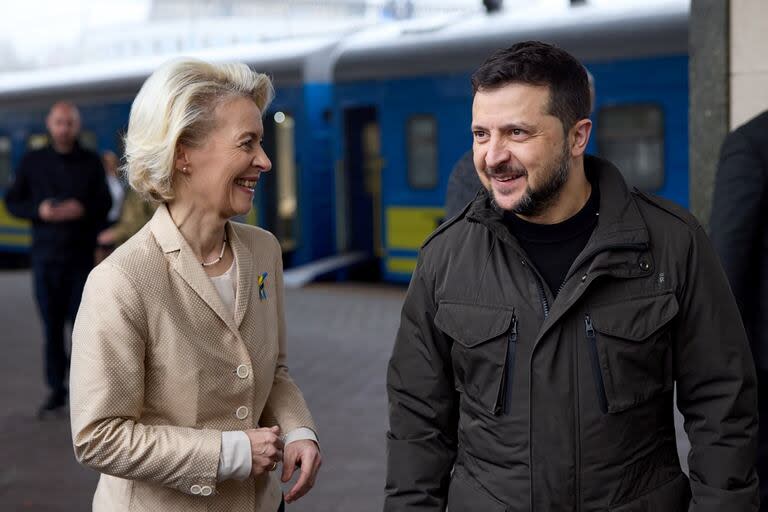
<point>180,395</point>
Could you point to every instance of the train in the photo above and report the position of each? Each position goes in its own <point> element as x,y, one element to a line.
<point>367,125</point>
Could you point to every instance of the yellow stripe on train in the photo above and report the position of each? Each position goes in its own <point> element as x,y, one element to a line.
<point>19,240</point>
<point>408,227</point>
<point>401,265</point>
<point>9,221</point>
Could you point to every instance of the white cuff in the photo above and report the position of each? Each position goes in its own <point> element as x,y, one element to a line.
<point>299,434</point>
<point>235,458</point>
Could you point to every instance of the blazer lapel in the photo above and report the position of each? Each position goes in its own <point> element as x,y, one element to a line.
<point>245,273</point>
<point>185,263</point>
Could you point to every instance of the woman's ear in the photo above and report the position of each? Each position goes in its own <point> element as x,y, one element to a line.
<point>181,162</point>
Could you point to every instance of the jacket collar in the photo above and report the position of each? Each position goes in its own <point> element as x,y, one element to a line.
<point>185,263</point>
<point>617,245</point>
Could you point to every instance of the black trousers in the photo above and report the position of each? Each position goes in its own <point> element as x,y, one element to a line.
<point>58,289</point>
<point>762,443</point>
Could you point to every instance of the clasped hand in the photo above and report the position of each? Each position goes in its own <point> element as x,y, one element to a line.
<point>267,450</point>
<point>60,211</point>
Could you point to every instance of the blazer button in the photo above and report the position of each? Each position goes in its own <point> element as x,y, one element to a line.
<point>242,371</point>
<point>195,489</point>
<point>644,265</point>
<point>206,490</point>
<point>242,412</point>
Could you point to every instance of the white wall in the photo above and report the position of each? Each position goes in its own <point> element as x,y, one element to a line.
<point>749,59</point>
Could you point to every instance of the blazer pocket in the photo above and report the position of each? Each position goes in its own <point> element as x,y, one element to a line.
<point>630,345</point>
<point>480,350</point>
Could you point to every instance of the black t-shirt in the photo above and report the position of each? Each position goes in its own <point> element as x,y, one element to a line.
<point>552,248</point>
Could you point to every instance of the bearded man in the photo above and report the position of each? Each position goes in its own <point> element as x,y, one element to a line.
<point>546,325</point>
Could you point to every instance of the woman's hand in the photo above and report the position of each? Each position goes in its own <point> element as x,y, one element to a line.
<point>304,454</point>
<point>266,449</point>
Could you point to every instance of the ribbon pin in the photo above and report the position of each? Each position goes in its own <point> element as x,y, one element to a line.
<point>262,291</point>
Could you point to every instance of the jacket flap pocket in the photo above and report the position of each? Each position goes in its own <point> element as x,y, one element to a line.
<point>472,324</point>
<point>635,319</point>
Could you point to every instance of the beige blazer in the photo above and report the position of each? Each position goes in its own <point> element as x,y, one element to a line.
<point>159,370</point>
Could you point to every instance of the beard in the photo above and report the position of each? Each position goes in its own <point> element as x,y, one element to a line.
<point>535,201</point>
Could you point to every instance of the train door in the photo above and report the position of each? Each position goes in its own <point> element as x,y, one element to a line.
<point>277,208</point>
<point>358,181</point>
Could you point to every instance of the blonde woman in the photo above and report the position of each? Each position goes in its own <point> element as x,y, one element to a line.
<point>180,394</point>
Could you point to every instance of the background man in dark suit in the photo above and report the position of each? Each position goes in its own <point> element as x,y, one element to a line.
<point>740,235</point>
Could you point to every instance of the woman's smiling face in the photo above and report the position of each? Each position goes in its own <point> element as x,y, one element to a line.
<point>224,169</point>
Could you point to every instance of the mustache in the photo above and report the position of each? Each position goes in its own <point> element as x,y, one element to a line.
<point>515,171</point>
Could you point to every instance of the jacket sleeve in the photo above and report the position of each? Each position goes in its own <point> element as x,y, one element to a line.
<point>423,407</point>
<point>716,387</point>
<point>99,200</point>
<point>737,209</point>
<point>285,405</point>
<point>19,199</point>
<point>107,395</point>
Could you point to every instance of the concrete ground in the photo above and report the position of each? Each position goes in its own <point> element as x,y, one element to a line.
<point>340,338</point>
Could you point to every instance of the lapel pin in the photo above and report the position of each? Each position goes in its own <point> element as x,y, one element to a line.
<point>262,291</point>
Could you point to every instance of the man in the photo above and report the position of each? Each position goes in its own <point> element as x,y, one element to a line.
<point>546,324</point>
<point>117,194</point>
<point>740,237</point>
<point>463,185</point>
<point>61,189</point>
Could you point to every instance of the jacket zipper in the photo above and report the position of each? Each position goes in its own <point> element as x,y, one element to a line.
<point>542,293</point>
<point>505,402</point>
<point>596,373</point>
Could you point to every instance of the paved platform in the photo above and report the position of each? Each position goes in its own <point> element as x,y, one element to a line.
<point>340,338</point>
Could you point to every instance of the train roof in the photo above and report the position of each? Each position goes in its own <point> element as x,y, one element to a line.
<point>590,32</point>
<point>287,61</point>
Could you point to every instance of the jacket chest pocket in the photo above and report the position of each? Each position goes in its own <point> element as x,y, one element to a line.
<point>483,352</point>
<point>630,346</point>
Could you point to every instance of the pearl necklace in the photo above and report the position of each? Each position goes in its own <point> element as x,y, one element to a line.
<point>221,255</point>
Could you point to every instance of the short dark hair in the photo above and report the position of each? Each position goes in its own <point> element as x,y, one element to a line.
<point>537,63</point>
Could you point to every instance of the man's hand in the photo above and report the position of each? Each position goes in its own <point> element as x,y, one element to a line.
<point>71,209</point>
<point>106,237</point>
<point>305,455</point>
<point>60,211</point>
<point>266,449</point>
<point>45,211</point>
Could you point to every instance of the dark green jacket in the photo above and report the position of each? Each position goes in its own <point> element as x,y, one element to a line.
<point>503,399</point>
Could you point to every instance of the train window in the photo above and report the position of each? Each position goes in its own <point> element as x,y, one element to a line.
<point>632,137</point>
<point>422,151</point>
<point>37,141</point>
<point>5,162</point>
<point>285,160</point>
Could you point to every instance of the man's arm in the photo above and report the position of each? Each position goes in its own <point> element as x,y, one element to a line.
<point>716,387</point>
<point>423,408</point>
<point>99,200</point>
<point>19,199</point>
<point>737,209</point>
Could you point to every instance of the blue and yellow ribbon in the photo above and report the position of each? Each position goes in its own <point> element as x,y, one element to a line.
<point>262,291</point>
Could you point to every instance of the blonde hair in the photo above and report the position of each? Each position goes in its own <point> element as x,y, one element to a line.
<point>176,105</point>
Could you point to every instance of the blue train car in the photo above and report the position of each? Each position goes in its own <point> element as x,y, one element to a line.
<point>294,201</point>
<point>402,112</point>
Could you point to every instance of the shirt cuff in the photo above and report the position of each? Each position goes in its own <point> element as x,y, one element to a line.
<point>235,458</point>
<point>299,434</point>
